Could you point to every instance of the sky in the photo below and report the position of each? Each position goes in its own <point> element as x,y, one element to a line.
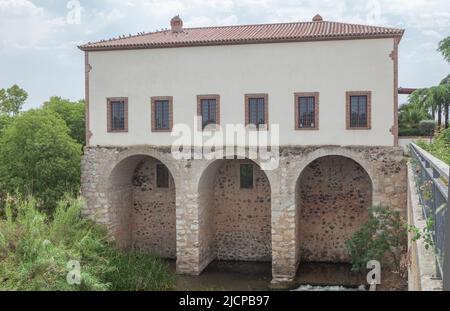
<point>38,39</point>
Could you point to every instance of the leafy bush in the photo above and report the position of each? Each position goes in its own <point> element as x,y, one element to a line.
<point>427,127</point>
<point>72,113</point>
<point>35,251</point>
<point>383,234</point>
<point>440,147</point>
<point>413,112</point>
<point>409,132</point>
<point>39,158</point>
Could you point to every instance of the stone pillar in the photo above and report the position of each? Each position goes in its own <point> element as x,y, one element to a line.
<point>284,238</point>
<point>193,251</point>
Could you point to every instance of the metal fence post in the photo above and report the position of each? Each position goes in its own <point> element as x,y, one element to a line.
<point>446,268</point>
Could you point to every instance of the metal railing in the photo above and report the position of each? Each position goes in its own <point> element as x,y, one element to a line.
<point>432,180</point>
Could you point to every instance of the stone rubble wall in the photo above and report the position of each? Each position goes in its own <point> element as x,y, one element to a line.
<point>242,217</point>
<point>107,174</point>
<point>154,212</point>
<point>334,194</point>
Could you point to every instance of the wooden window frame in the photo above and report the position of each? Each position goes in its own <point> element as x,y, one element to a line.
<point>253,176</point>
<point>154,99</point>
<point>265,96</point>
<point>109,102</point>
<point>199,111</point>
<point>348,95</point>
<point>297,110</point>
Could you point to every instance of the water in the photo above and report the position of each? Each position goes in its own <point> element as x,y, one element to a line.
<point>310,288</point>
<point>256,276</point>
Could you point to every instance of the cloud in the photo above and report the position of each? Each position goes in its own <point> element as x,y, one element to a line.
<point>19,8</point>
<point>38,28</point>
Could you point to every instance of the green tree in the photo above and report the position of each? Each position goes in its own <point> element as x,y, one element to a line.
<point>444,48</point>
<point>38,157</point>
<point>72,113</point>
<point>5,120</point>
<point>12,100</point>
<point>445,84</point>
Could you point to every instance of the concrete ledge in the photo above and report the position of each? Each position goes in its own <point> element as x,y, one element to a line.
<point>422,267</point>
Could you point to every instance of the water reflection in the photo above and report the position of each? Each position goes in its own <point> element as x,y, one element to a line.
<point>254,276</point>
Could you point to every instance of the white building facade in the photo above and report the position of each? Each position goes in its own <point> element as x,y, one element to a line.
<point>331,88</point>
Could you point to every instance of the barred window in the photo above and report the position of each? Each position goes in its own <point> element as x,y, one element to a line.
<point>358,111</point>
<point>117,109</point>
<point>246,176</point>
<point>208,112</point>
<point>117,115</point>
<point>256,109</point>
<point>162,176</point>
<point>307,112</point>
<point>162,115</point>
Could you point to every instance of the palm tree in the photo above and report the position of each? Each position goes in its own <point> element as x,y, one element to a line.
<point>444,48</point>
<point>413,112</point>
<point>445,84</point>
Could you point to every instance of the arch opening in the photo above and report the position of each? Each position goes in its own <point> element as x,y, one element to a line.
<point>235,221</point>
<point>141,200</point>
<point>333,194</point>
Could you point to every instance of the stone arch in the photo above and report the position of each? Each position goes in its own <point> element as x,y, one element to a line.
<point>333,194</point>
<point>126,155</point>
<point>302,163</point>
<point>142,216</point>
<point>234,223</point>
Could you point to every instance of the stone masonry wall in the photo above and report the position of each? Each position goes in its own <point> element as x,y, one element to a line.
<point>242,216</point>
<point>107,174</point>
<point>333,197</point>
<point>153,217</point>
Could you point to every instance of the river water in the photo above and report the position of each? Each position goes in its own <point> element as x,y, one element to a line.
<point>254,276</point>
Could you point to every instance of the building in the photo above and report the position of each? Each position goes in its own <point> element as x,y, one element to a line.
<point>332,89</point>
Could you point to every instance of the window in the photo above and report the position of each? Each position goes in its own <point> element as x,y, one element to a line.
<point>208,109</point>
<point>256,110</point>
<point>162,118</point>
<point>117,114</point>
<point>307,111</point>
<point>358,110</point>
<point>246,176</point>
<point>162,176</point>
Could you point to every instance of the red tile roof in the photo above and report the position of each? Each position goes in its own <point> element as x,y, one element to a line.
<point>246,34</point>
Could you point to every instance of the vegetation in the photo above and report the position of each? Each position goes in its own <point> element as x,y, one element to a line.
<point>38,157</point>
<point>427,127</point>
<point>72,113</point>
<point>440,147</point>
<point>428,103</point>
<point>444,48</point>
<point>43,239</point>
<point>35,251</point>
<point>383,235</point>
<point>12,100</point>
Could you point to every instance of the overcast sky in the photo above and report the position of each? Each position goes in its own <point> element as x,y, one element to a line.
<point>38,38</point>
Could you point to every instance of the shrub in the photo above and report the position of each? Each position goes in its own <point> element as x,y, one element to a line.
<point>39,158</point>
<point>35,251</point>
<point>427,127</point>
<point>440,147</point>
<point>409,132</point>
<point>384,233</point>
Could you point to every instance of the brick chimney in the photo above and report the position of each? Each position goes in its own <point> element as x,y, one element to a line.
<point>176,24</point>
<point>317,18</point>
